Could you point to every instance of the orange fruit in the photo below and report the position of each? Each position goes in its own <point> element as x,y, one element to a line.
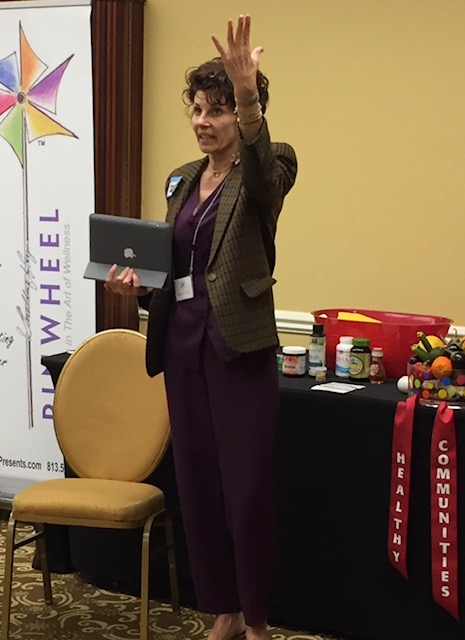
<point>441,367</point>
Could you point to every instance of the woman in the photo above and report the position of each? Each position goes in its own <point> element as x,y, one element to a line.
<point>214,335</point>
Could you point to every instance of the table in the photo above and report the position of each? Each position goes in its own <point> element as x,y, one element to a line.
<point>331,573</point>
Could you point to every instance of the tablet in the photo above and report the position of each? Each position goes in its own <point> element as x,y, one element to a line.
<point>144,245</point>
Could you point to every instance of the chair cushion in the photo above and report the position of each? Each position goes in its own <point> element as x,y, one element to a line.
<point>89,499</point>
<point>111,419</point>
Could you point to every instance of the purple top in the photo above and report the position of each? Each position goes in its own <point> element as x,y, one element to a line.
<point>191,320</point>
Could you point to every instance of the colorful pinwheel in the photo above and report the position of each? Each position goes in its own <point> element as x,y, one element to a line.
<point>27,100</point>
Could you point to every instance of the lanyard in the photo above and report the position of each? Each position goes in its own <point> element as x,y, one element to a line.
<point>196,230</point>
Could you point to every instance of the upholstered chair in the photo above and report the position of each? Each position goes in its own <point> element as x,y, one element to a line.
<point>111,423</point>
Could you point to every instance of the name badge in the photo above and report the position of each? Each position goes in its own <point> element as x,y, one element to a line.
<point>184,288</point>
<point>174,181</point>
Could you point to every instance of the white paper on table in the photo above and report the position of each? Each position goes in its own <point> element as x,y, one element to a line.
<point>337,387</point>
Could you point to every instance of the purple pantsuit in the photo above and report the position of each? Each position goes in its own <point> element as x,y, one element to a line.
<point>222,409</point>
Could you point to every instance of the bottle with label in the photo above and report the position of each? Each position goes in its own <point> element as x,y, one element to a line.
<point>377,371</point>
<point>317,349</point>
<point>294,361</point>
<point>360,360</point>
<point>343,356</point>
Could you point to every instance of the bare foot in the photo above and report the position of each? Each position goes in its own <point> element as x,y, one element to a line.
<point>227,626</point>
<point>257,633</point>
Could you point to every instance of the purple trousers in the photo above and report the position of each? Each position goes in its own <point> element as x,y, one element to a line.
<point>222,425</point>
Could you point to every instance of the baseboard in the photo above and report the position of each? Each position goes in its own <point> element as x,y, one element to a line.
<point>300,322</point>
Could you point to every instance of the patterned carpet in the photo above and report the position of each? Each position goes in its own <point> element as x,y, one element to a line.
<point>82,611</point>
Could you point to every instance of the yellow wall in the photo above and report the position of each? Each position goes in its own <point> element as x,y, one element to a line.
<point>371,94</point>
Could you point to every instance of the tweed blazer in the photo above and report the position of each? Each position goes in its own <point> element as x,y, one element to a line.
<point>242,256</point>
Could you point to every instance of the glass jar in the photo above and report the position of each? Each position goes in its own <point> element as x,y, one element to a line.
<point>377,371</point>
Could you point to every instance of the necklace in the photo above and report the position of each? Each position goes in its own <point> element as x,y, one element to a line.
<point>234,161</point>
<point>216,174</point>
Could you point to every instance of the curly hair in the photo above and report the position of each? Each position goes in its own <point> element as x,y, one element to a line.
<point>211,78</point>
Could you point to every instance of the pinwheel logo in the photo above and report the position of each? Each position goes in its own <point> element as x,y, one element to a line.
<point>28,104</point>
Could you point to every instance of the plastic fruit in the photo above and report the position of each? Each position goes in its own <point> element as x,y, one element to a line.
<point>458,360</point>
<point>436,352</point>
<point>434,341</point>
<point>420,353</point>
<point>441,367</point>
<point>429,347</point>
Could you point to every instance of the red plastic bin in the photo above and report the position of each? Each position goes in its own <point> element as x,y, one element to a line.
<point>396,332</point>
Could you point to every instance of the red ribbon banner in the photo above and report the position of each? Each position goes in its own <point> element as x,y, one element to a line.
<point>400,484</point>
<point>444,552</point>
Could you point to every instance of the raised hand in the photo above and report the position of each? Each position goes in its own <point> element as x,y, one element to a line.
<point>240,63</point>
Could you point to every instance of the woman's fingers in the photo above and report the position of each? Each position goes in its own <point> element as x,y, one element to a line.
<point>123,275</point>
<point>141,291</point>
<point>111,273</point>
<point>256,53</point>
<point>135,280</point>
<point>122,283</point>
<point>126,275</point>
<point>230,36</point>
<point>126,281</point>
<point>111,278</point>
<point>218,45</point>
<point>237,40</point>
<point>240,39</point>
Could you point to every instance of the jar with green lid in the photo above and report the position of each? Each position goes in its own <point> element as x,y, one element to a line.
<point>360,359</point>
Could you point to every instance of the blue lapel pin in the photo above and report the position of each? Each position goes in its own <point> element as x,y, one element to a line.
<point>174,181</point>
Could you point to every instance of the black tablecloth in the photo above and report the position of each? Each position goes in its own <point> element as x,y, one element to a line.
<point>331,573</point>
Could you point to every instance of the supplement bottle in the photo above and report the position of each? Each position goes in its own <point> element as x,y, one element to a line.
<point>317,349</point>
<point>343,356</point>
<point>294,361</point>
<point>377,371</point>
<point>360,360</point>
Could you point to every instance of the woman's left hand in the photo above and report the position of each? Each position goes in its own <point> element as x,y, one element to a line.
<point>240,63</point>
<point>127,283</point>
